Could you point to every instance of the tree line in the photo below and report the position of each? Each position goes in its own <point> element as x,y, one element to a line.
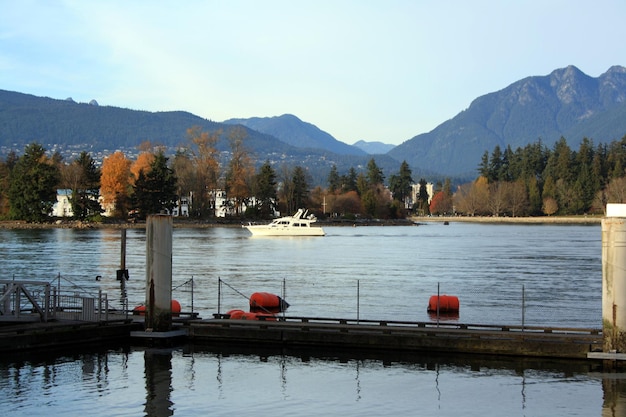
<point>197,173</point>
<point>530,181</point>
<point>535,180</point>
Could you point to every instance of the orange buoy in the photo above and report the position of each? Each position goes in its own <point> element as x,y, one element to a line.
<point>235,314</point>
<point>243,315</point>
<point>447,304</point>
<point>139,311</point>
<point>175,308</point>
<point>265,316</point>
<point>267,302</point>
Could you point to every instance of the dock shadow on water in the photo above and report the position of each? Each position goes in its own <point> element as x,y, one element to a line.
<point>219,380</point>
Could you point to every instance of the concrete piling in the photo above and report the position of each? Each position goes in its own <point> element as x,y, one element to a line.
<point>614,278</point>
<point>159,272</point>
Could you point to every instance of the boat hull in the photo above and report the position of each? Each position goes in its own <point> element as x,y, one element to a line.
<point>297,225</point>
<point>258,230</point>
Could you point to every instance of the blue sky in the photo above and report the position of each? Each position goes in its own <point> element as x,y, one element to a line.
<point>371,70</point>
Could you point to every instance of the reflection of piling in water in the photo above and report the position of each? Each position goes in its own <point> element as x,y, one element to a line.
<point>159,272</point>
<point>158,376</point>
<point>614,278</point>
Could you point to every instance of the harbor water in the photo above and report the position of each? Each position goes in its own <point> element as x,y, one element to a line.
<point>536,275</point>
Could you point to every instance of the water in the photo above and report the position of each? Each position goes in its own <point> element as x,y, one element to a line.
<point>503,274</point>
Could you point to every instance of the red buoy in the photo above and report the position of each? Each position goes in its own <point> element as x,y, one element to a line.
<point>447,304</point>
<point>175,306</point>
<point>267,302</point>
<point>235,314</point>
<point>243,315</point>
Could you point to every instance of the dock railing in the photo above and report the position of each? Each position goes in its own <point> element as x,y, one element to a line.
<point>31,300</point>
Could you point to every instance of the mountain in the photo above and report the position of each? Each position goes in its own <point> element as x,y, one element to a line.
<point>566,103</point>
<point>75,127</point>
<point>26,118</point>
<point>373,148</point>
<point>295,132</point>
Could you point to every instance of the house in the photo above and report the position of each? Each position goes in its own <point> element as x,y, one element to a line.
<point>63,207</point>
<point>182,208</point>
<point>415,191</point>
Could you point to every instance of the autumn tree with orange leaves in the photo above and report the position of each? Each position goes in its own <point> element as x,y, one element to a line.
<point>142,163</point>
<point>201,180</point>
<point>240,171</point>
<point>115,183</point>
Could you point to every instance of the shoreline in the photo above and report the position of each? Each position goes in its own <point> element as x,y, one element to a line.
<point>512,220</point>
<point>410,221</point>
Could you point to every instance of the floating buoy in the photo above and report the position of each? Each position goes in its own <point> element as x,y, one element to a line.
<point>175,306</point>
<point>243,315</point>
<point>447,304</point>
<point>139,311</point>
<point>235,314</point>
<point>267,302</point>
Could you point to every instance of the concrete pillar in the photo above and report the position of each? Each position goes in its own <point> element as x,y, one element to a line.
<point>614,278</point>
<point>159,273</point>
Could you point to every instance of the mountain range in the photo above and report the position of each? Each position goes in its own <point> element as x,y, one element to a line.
<point>566,103</point>
<point>289,129</point>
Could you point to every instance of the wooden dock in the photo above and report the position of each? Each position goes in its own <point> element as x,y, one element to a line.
<point>341,335</point>
<point>445,337</point>
<point>21,336</point>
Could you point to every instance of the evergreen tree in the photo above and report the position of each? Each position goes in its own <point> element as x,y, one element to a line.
<point>86,190</point>
<point>560,162</point>
<point>6,167</point>
<point>374,173</point>
<point>483,168</point>
<point>33,192</point>
<point>265,190</point>
<point>495,165</point>
<point>368,201</point>
<point>534,197</point>
<point>362,185</point>
<point>586,188</point>
<point>401,184</point>
<point>300,188</point>
<point>349,181</point>
<point>334,181</point>
<point>508,168</point>
<point>155,190</point>
<point>422,197</point>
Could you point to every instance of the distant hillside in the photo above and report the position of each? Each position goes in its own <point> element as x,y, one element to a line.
<point>295,132</point>
<point>374,148</point>
<point>564,103</point>
<point>25,119</point>
<point>567,103</point>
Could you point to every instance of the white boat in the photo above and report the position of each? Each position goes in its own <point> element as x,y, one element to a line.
<point>297,225</point>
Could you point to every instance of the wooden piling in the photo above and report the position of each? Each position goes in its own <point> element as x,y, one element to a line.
<point>159,273</point>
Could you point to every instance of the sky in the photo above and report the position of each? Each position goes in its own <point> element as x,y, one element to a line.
<point>357,69</point>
